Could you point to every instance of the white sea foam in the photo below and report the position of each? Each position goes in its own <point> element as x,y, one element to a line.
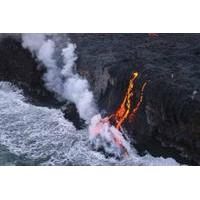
<point>104,135</point>
<point>42,134</point>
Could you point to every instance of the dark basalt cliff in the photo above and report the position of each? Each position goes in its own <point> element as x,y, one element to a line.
<point>168,121</point>
<point>18,67</point>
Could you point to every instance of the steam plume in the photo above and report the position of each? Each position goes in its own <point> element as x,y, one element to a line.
<point>61,78</point>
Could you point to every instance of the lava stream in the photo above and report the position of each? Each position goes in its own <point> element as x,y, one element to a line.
<point>106,133</point>
<point>124,109</point>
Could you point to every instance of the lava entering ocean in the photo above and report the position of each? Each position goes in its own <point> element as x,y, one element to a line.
<point>106,133</point>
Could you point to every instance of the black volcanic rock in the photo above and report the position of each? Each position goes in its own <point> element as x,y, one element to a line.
<point>71,113</point>
<point>19,67</point>
<point>169,117</point>
<point>168,121</point>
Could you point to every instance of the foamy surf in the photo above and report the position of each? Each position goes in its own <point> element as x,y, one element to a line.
<point>43,134</point>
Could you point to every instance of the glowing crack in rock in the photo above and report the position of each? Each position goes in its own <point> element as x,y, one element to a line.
<point>106,133</point>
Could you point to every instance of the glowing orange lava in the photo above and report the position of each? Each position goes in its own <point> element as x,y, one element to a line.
<point>124,109</point>
<point>139,102</point>
<point>110,128</point>
<point>123,112</point>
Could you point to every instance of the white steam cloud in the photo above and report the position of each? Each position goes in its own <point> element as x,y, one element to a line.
<point>61,78</point>
<point>105,136</point>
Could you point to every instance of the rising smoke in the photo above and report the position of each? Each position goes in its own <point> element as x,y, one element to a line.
<point>105,136</point>
<point>61,78</point>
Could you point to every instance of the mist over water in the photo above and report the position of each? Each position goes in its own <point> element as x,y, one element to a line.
<point>37,135</point>
<point>45,137</point>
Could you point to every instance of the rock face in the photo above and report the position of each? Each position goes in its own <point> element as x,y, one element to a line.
<point>169,118</point>
<point>19,67</point>
<point>168,121</point>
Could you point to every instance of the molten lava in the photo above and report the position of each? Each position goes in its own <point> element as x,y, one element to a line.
<point>106,133</point>
<point>124,110</point>
<point>139,101</point>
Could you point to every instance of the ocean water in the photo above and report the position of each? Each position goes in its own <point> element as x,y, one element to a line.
<point>33,135</point>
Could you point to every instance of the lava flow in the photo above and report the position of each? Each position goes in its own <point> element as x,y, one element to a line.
<point>107,133</point>
<point>124,110</point>
<point>133,113</point>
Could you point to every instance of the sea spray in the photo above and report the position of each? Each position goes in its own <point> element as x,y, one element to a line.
<point>67,84</point>
<point>42,136</point>
<point>105,137</point>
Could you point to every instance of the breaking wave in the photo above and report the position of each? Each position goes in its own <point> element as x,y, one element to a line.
<point>43,134</point>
